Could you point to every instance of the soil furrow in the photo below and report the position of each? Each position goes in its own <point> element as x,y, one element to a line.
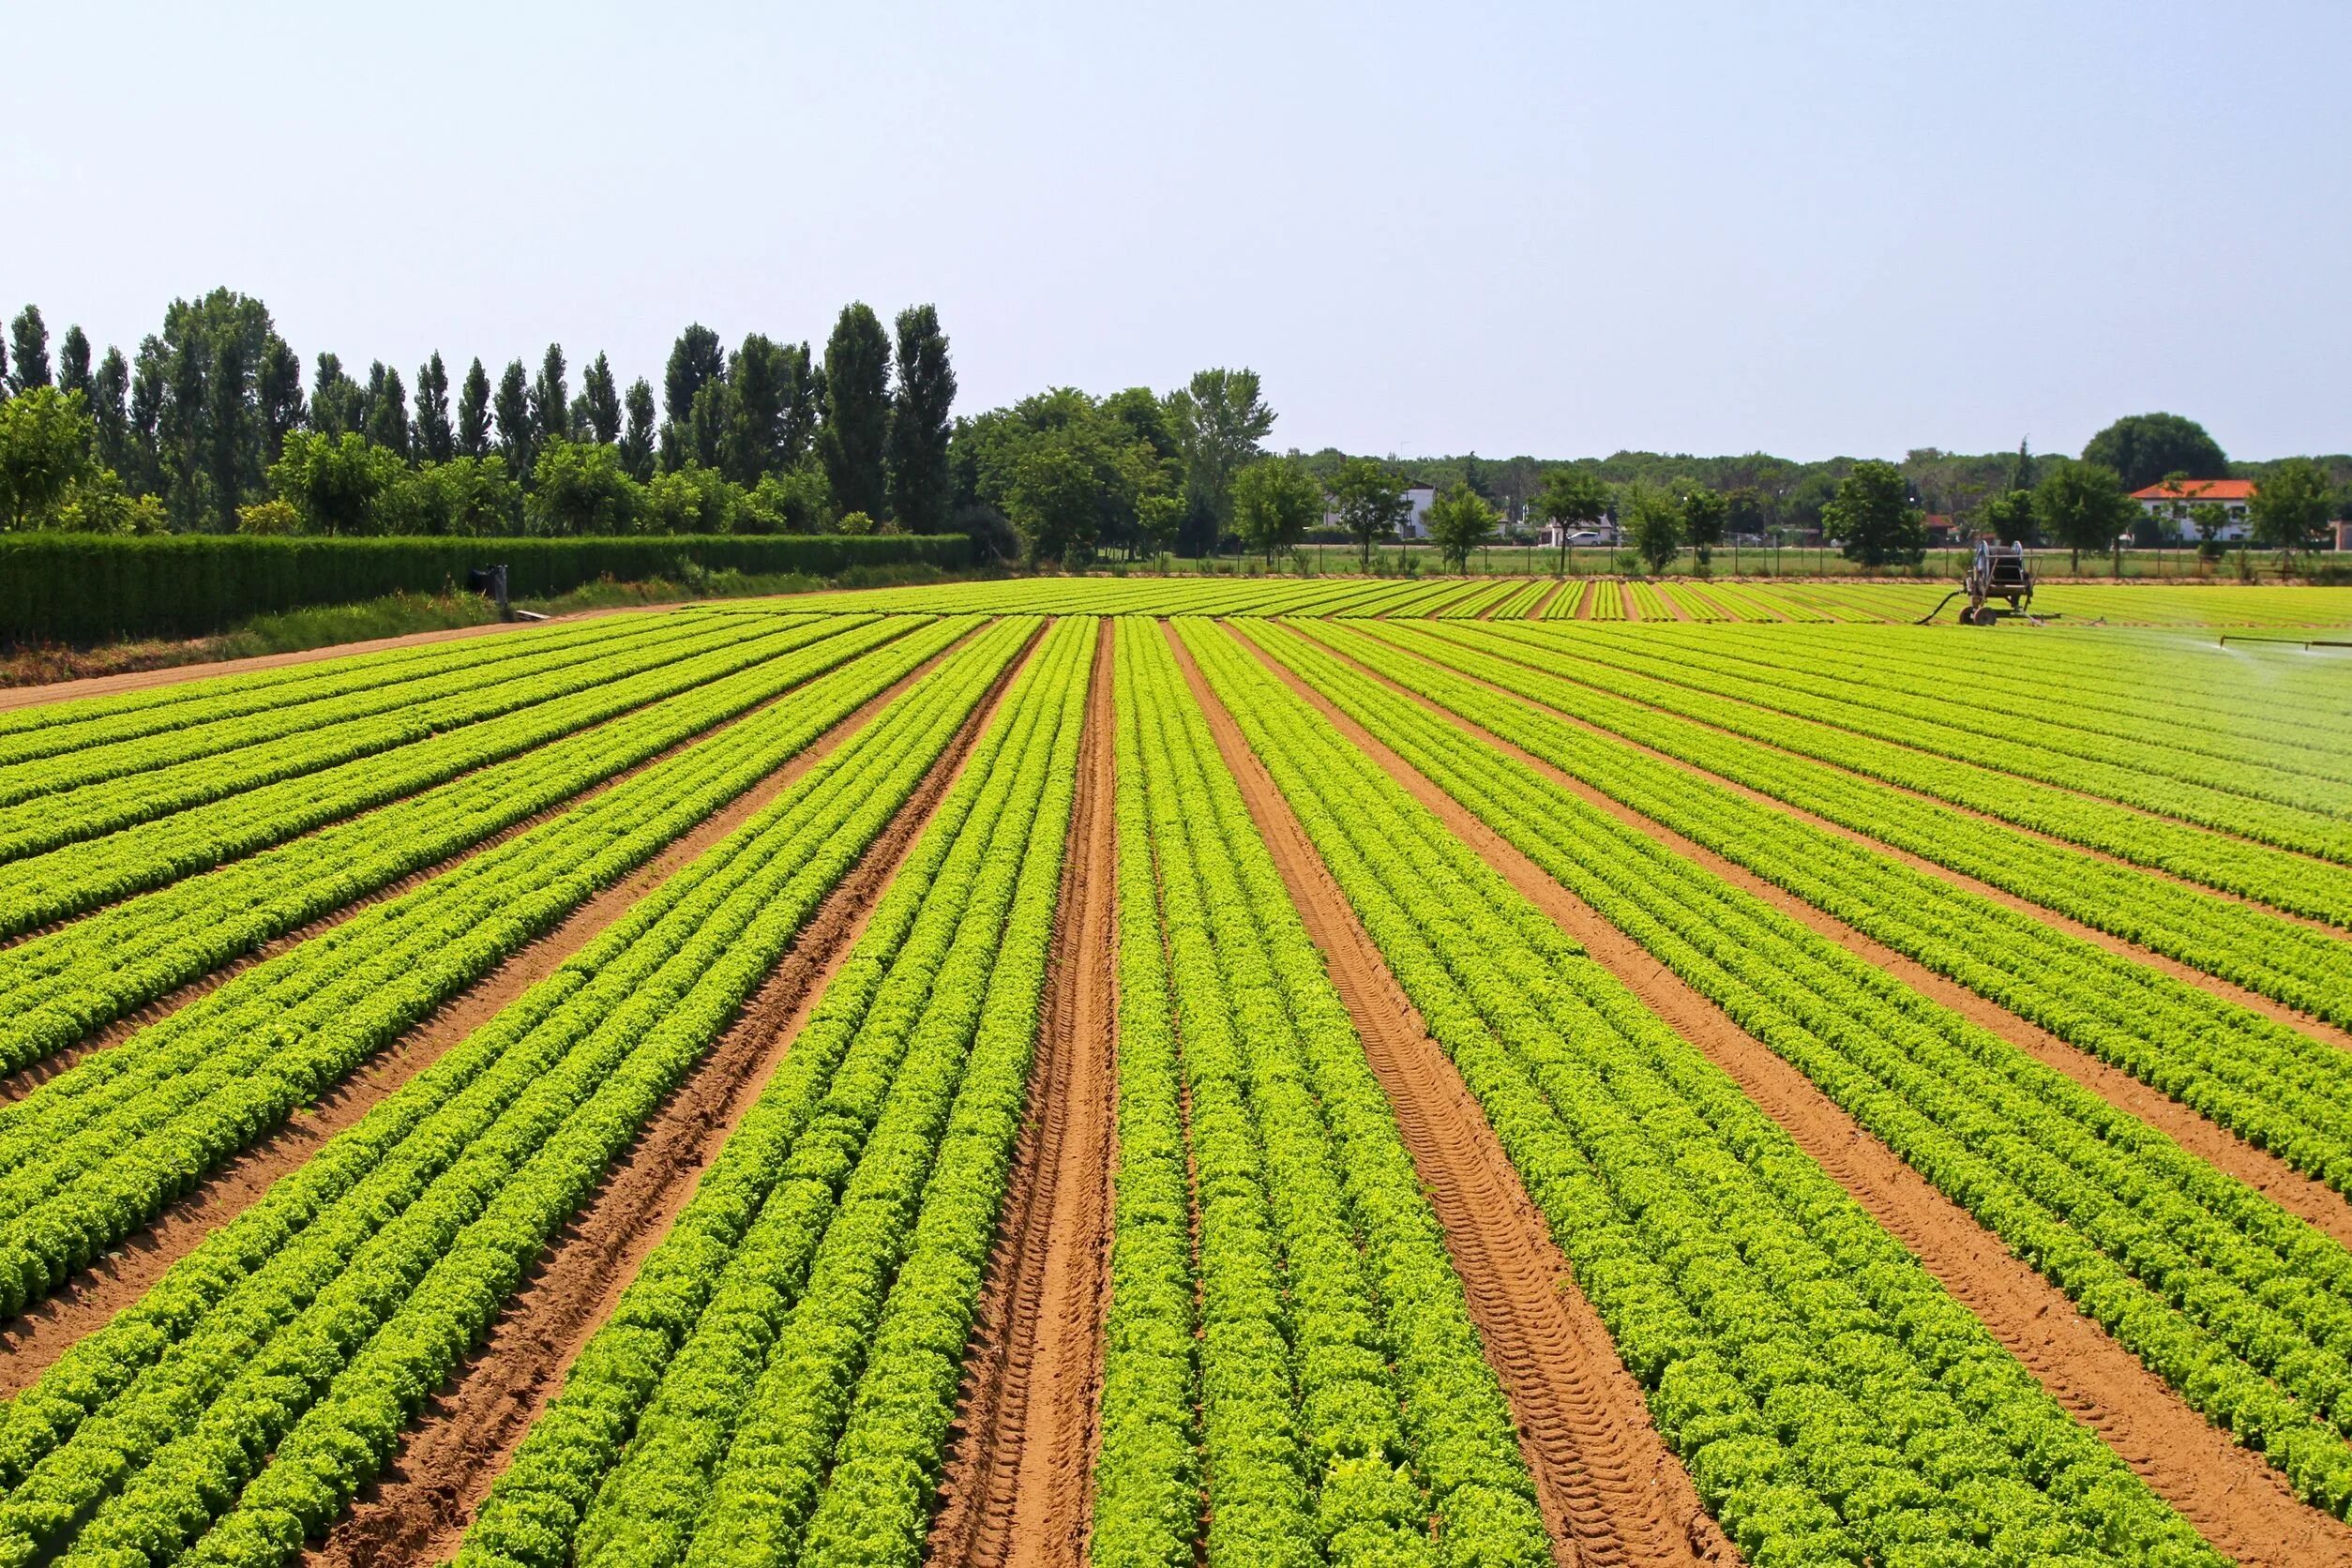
<point>2231,1493</point>
<point>31,1342</point>
<point>1017,1487</point>
<point>1610,1490</point>
<point>2303,1195</point>
<point>418,1510</point>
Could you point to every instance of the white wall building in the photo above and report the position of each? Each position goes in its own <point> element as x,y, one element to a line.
<point>2232,495</point>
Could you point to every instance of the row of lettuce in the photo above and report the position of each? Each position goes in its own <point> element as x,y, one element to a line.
<point>775,1384</point>
<point>234,1412</point>
<point>1832,1402</point>
<point>2245,1309</point>
<point>1309,1365</point>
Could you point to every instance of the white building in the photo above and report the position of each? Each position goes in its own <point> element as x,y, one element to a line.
<point>1416,523</point>
<point>2170,499</point>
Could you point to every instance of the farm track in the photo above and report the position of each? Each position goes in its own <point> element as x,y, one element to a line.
<point>1015,1490</point>
<point>2231,1493</point>
<point>1610,1490</point>
<point>2303,1195</point>
<point>417,1512</point>
<point>1965,813</point>
<point>15,1085</point>
<point>30,1343</point>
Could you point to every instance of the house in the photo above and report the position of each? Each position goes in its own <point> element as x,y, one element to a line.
<point>1416,523</point>
<point>1940,529</point>
<point>2173,499</point>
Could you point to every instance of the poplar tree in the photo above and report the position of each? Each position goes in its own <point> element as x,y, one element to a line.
<point>551,400</point>
<point>511,404</point>
<point>474,412</point>
<point>73,362</point>
<point>919,420</point>
<point>637,439</point>
<point>600,400</point>
<point>857,429</point>
<point>435,441</point>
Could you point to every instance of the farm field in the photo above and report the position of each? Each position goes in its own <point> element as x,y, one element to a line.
<point>1152,1072</point>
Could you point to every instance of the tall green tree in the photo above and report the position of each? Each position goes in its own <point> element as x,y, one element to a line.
<point>1572,499</point>
<point>1460,519</point>
<point>1704,513</point>
<point>511,405</point>
<point>695,359</point>
<point>1653,523</point>
<point>2008,518</point>
<point>578,487</point>
<point>2290,508</point>
<point>856,434</point>
<point>551,400</point>
<point>749,426</point>
<point>1275,501</point>
<point>600,398</point>
<point>637,437</point>
<point>435,439</point>
<point>73,361</point>
<point>1221,422</point>
<point>1371,503</point>
<point>804,404</point>
<point>920,419</point>
<point>337,485</point>
<point>28,351</point>
<point>387,411</point>
<point>2082,507</point>
<point>339,405</point>
<point>1872,515</point>
<point>2142,448</point>
<point>109,418</point>
<point>474,412</point>
<point>45,440</point>
<point>278,396</point>
<point>2022,474</point>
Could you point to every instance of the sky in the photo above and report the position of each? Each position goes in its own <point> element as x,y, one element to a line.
<point>1807,227</point>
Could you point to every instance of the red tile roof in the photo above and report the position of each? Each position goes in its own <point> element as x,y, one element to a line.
<point>2198,489</point>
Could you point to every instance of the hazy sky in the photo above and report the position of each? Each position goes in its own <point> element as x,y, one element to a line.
<point>1810,227</point>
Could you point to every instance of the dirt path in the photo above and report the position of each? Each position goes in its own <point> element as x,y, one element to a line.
<point>1610,1490</point>
<point>30,1343</point>
<point>418,1510</point>
<point>2231,1493</point>
<point>1017,1486</point>
<point>2303,1195</point>
<point>1543,602</point>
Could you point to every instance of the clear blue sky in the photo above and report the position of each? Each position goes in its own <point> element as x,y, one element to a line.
<point>1808,226</point>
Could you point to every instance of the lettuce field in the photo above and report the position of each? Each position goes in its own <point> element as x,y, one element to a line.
<point>1250,1072</point>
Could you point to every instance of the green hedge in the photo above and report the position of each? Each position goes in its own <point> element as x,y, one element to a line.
<point>87,588</point>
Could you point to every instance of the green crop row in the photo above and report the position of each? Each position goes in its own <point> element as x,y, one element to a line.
<point>1833,1403</point>
<point>2280,878</point>
<point>622,1464</point>
<point>89,1156</point>
<point>2311,830</point>
<point>57,988</point>
<point>2058,693</point>
<point>1315,1233</point>
<point>47,729</point>
<point>42,823</point>
<point>77,877</point>
<point>256,744</point>
<point>233,1411</point>
<point>2244,1308</point>
<point>1916,690</point>
<point>2164,1029</point>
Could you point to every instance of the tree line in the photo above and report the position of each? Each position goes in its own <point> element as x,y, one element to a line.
<point>209,428</point>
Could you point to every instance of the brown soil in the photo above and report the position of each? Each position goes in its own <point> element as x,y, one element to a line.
<point>2230,1494</point>
<point>418,1510</point>
<point>1018,1484</point>
<point>29,1344</point>
<point>1610,1490</point>
<point>2303,1195</point>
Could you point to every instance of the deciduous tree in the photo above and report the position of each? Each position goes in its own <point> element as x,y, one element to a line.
<point>1371,503</point>
<point>2290,508</point>
<point>2142,448</point>
<point>45,440</point>
<point>474,412</point>
<point>1873,517</point>
<point>277,394</point>
<point>1653,522</point>
<point>1221,422</point>
<point>2082,505</point>
<point>73,361</point>
<point>511,404</point>
<point>637,437</point>
<point>1275,501</point>
<point>600,402</point>
<point>28,351</point>
<point>550,398</point>
<point>1704,512</point>
<point>387,411</point>
<point>109,418</point>
<point>435,441</point>
<point>1459,522</point>
<point>578,487</point>
<point>1572,499</point>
